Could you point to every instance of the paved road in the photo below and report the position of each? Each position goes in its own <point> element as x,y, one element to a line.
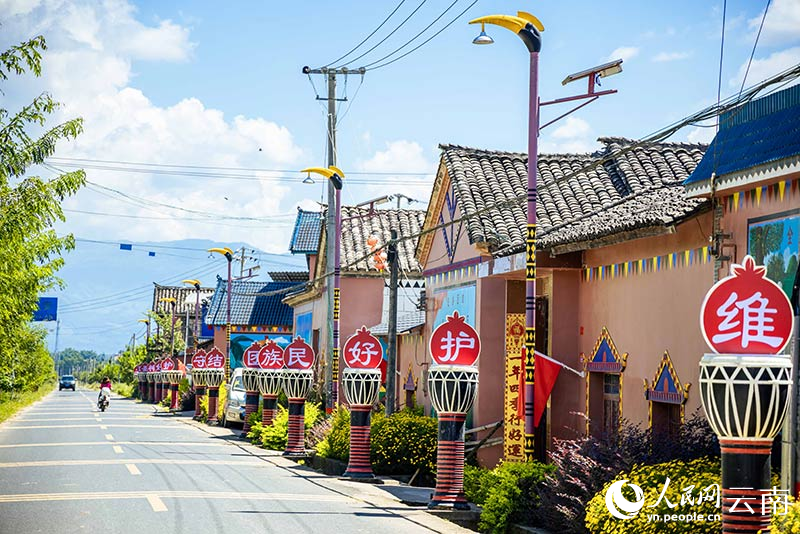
<point>66,467</point>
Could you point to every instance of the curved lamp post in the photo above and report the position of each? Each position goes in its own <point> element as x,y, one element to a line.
<point>173,302</point>
<point>528,28</point>
<point>336,176</point>
<point>142,376</point>
<point>228,253</point>
<point>196,284</point>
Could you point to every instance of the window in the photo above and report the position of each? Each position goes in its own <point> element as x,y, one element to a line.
<point>666,419</point>
<point>610,404</point>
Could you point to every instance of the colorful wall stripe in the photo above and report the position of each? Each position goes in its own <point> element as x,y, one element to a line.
<point>777,191</point>
<point>647,265</point>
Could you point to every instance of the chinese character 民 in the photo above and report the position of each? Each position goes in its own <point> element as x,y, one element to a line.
<point>297,356</point>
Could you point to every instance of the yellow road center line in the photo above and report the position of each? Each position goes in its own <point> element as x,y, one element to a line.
<point>156,503</point>
<point>132,469</point>
<point>109,437</point>
<point>117,449</point>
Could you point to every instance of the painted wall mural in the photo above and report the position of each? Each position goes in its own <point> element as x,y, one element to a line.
<point>241,341</point>
<point>457,298</point>
<point>774,241</point>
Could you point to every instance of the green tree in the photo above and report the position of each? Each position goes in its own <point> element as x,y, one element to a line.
<point>29,206</point>
<point>765,239</point>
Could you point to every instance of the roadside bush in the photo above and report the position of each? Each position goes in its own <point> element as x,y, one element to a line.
<point>505,492</point>
<point>223,392</point>
<point>336,444</point>
<point>788,523</point>
<point>695,478</point>
<point>403,443</point>
<point>275,436</point>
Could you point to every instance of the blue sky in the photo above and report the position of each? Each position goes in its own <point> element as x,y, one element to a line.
<point>196,83</point>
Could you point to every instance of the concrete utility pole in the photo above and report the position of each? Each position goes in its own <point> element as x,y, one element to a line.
<point>330,223</point>
<point>391,363</point>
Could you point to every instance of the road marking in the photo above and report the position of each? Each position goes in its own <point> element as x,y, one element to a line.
<point>161,425</point>
<point>65,463</point>
<point>132,469</point>
<point>98,496</point>
<point>103,427</point>
<point>156,503</point>
<point>87,418</point>
<point>117,449</point>
<point>109,437</point>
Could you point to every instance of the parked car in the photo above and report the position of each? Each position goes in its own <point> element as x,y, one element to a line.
<point>233,408</point>
<point>66,382</point>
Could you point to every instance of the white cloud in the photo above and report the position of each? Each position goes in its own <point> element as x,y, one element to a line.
<point>400,156</point>
<point>88,66</point>
<point>701,135</point>
<point>766,67</point>
<point>671,56</point>
<point>573,127</point>
<point>782,25</point>
<point>624,53</point>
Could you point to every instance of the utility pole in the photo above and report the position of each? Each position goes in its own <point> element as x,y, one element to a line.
<point>391,364</point>
<point>330,222</point>
<point>241,264</point>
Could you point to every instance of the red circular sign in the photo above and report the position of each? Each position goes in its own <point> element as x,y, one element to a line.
<point>298,355</point>
<point>454,342</point>
<point>168,365</point>
<point>362,350</point>
<point>250,356</point>
<point>158,366</point>
<point>746,313</point>
<point>151,367</point>
<point>270,356</point>
<point>199,359</point>
<point>215,359</point>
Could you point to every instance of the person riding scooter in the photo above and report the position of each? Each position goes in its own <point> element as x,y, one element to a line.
<point>105,394</point>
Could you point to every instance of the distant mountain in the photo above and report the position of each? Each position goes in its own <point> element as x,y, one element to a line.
<point>108,288</point>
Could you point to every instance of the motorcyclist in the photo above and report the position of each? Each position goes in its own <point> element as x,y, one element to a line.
<point>105,388</point>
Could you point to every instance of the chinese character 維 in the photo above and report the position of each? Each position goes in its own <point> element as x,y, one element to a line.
<point>664,497</point>
<point>297,356</point>
<point>775,499</point>
<point>754,325</point>
<point>367,350</point>
<point>453,345</point>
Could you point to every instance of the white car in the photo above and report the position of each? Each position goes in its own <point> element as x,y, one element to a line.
<point>233,408</point>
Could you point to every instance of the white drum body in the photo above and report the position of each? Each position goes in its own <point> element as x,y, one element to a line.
<point>361,386</point>
<point>250,379</point>
<point>270,381</point>
<point>214,377</point>
<point>199,377</point>
<point>745,396</point>
<point>453,388</point>
<point>297,383</point>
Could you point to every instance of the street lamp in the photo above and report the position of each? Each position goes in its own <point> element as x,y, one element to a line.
<point>228,253</point>
<point>336,176</point>
<point>528,28</point>
<point>147,336</point>
<point>196,284</point>
<point>172,301</point>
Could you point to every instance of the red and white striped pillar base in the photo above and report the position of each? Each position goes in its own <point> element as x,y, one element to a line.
<point>295,444</point>
<point>199,391</point>
<point>250,407</point>
<point>213,399</point>
<point>269,408</point>
<point>449,491</point>
<point>745,479</point>
<point>174,401</point>
<point>157,394</point>
<point>359,465</point>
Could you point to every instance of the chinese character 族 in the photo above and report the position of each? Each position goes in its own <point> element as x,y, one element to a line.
<point>273,359</point>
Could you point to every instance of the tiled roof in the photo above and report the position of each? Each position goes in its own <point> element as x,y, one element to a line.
<point>185,296</point>
<point>357,225</point>
<point>633,190</point>
<point>307,228</point>
<point>289,276</point>
<point>762,131</point>
<point>249,306</point>
<point>405,323</point>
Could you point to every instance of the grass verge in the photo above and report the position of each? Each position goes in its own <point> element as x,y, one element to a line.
<point>11,403</point>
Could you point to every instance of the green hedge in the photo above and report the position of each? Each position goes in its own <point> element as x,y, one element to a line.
<point>505,493</point>
<point>336,444</point>
<point>403,443</point>
<point>274,437</point>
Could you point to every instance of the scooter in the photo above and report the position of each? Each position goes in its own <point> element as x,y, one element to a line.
<point>104,400</point>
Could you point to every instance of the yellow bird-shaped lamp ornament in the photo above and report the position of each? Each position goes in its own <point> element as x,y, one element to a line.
<point>525,25</point>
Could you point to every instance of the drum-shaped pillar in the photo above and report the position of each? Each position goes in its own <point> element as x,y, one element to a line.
<point>174,401</point>
<point>745,400</point>
<point>297,383</point>
<point>213,379</point>
<point>270,406</point>
<point>453,389</point>
<point>270,382</point>
<point>361,388</point>
<point>250,377</point>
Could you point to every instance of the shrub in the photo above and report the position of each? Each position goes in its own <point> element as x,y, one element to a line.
<point>336,444</point>
<point>274,437</point>
<point>223,392</point>
<point>694,476</point>
<point>403,443</point>
<point>788,523</point>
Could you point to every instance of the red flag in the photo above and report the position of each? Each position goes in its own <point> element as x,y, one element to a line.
<point>545,376</point>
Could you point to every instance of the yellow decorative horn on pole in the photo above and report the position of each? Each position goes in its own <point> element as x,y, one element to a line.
<point>524,24</point>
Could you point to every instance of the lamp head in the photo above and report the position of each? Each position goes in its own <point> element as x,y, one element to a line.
<point>308,180</point>
<point>483,38</point>
<point>145,321</point>
<point>225,251</point>
<point>192,282</point>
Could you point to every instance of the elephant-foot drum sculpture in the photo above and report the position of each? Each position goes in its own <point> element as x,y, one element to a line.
<point>453,389</point>
<point>149,390</point>
<point>213,379</point>
<point>361,388</point>
<point>250,379</point>
<point>269,384</point>
<point>745,400</point>
<point>199,383</point>
<point>296,383</point>
<point>174,378</point>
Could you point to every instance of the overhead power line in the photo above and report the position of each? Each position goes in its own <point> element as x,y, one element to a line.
<point>368,36</point>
